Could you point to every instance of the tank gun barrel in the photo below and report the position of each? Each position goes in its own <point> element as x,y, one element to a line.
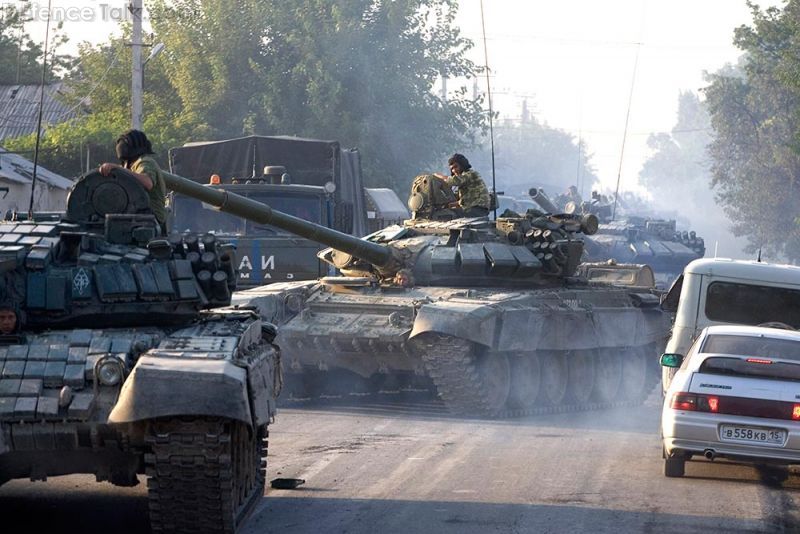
<point>378,255</point>
<point>540,198</point>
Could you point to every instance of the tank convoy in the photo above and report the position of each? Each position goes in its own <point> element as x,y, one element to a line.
<point>126,359</point>
<point>635,239</point>
<point>501,315</point>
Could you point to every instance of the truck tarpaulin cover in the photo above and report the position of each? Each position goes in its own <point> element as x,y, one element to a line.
<point>308,161</point>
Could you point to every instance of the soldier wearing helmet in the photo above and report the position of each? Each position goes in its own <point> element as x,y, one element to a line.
<point>473,197</point>
<point>134,150</point>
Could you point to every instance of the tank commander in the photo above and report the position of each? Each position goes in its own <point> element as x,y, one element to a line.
<point>134,150</point>
<point>473,196</point>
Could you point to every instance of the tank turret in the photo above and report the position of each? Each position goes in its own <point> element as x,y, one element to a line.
<point>103,263</point>
<point>516,251</point>
<point>119,352</point>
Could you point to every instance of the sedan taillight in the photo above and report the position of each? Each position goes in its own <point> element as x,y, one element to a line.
<point>692,402</point>
<point>772,409</point>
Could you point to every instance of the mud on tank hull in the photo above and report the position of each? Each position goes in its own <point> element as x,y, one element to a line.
<point>489,353</point>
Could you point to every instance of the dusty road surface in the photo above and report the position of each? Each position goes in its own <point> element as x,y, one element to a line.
<point>387,467</point>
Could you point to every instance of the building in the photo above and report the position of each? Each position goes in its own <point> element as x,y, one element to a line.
<point>16,175</point>
<point>19,109</point>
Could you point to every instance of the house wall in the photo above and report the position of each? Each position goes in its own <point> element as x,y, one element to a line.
<point>47,198</point>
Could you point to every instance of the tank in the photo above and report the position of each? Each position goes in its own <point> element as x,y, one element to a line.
<point>636,239</point>
<point>500,315</point>
<point>120,356</point>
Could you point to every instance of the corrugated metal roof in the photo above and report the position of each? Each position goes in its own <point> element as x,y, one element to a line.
<point>19,108</point>
<point>15,168</point>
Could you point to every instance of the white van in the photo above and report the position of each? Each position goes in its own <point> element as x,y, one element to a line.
<point>715,291</point>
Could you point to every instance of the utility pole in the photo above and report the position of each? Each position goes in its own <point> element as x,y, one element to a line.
<point>135,8</point>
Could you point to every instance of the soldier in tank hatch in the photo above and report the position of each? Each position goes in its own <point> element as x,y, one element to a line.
<point>473,196</point>
<point>134,150</point>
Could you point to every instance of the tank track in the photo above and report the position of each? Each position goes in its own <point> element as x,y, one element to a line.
<point>452,366</point>
<point>204,474</point>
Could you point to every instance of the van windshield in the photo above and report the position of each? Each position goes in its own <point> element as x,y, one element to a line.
<point>749,304</point>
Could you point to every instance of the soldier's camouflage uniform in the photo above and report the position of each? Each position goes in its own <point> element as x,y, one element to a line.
<point>472,192</point>
<point>158,194</point>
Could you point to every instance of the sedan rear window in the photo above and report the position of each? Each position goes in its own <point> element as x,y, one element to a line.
<point>752,346</point>
<point>741,367</point>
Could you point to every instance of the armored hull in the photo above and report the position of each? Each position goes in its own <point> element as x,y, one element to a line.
<point>126,360</point>
<point>519,350</point>
<point>499,314</point>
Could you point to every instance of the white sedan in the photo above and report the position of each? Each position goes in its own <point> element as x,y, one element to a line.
<point>736,395</point>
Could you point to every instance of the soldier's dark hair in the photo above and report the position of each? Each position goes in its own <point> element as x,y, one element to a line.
<point>132,145</point>
<point>462,161</point>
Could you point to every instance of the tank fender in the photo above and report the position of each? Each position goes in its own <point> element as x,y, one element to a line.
<point>167,387</point>
<point>478,323</point>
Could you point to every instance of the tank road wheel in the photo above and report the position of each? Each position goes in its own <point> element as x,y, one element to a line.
<point>555,375</point>
<point>203,474</point>
<point>634,375</point>
<point>526,380</point>
<point>581,376</point>
<point>608,375</point>
<point>470,381</point>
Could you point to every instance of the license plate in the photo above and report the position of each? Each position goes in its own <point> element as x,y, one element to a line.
<point>749,434</point>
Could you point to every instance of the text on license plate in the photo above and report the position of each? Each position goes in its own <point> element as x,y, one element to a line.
<point>752,434</point>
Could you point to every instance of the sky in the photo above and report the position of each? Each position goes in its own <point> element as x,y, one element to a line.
<point>572,60</point>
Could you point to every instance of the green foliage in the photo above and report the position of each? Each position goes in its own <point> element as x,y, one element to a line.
<point>357,71</point>
<point>20,57</point>
<point>755,112</point>
<point>99,87</point>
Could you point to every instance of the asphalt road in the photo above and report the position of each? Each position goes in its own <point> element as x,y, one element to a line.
<point>387,467</point>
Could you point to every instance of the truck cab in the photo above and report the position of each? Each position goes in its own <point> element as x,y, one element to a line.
<point>264,254</point>
<point>716,291</point>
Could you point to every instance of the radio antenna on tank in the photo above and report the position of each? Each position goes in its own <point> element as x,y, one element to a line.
<point>491,110</point>
<point>41,108</point>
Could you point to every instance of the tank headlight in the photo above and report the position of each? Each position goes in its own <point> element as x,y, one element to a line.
<point>329,187</point>
<point>109,371</point>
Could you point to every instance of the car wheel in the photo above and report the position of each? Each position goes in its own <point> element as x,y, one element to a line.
<point>674,466</point>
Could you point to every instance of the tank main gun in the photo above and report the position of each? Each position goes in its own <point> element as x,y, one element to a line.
<point>528,250</point>
<point>381,256</point>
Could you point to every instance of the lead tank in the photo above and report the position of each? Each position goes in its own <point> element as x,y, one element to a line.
<point>499,314</point>
<point>126,359</point>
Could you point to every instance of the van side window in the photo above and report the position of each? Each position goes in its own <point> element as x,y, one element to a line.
<point>748,304</point>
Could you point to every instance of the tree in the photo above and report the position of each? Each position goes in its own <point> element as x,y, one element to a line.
<point>20,57</point>
<point>678,175</point>
<point>358,71</point>
<point>755,113</point>
<point>99,87</point>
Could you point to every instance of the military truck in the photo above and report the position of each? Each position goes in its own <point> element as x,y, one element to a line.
<point>121,357</point>
<point>315,180</point>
